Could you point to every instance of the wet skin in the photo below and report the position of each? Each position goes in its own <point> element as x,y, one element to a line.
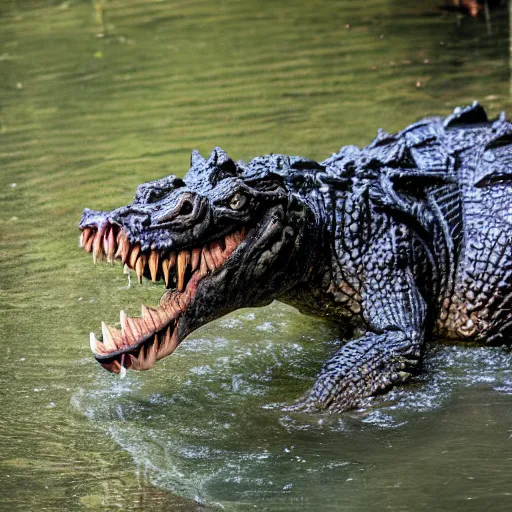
<point>402,240</point>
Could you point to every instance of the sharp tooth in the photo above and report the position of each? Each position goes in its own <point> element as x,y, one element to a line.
<point>183,260</point>
<point>133,327</point>
<point>139,267</point>
<point>156,343</point>
<point>168,346</point>
<point>152,315</point>
<point>120,245</point>
<point>108,341</point>
<point>203,269</point>
<point>138,362</point>
<point>151,354</point>
<point>165,270</point>
<point>125,251</point>
<point>146,358</point>
<point>148,318</point>
<point>172,260</point>
<point>165,339</point>
<point>169,303</point>
<point>122,320</point>
<point>123,247</point>
<point>142,355</point>
<point>231,244</point>
<point>88,245</point>
<point>153,265</point>
<point>117,336</point>
<point>113,367</point>
<point>133,256</point>
<point>161,315</point>
<point>84,237</point>
<point>111,246</point>
<point>159,318</point>
<point>96,346</point>
<point>196,257</point>
<point>209,260</point>
<point>133,362</point>
<point>166,298</point>
<point>216,252</point>
<point>96,247</point>
<point>105,240</point>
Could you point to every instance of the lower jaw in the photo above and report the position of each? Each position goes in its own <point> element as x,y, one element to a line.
<point>160,339</point>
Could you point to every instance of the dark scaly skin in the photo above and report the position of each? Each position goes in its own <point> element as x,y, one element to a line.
<point>407,239</point>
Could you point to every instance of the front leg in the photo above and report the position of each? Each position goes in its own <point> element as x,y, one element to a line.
<point>365,367</point>
<point>394,312</point>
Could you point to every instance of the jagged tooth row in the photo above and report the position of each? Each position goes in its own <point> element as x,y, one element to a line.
<point>132,329</point>
<point>154,260</point>
<point>156,325</point>
<point>163,342</point>
<point>104,243</point>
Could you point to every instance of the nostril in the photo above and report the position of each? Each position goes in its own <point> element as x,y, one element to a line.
<point>184,211</point>
<point>186,208</point>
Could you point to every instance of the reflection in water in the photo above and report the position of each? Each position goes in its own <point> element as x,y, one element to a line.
<point>84,120</point>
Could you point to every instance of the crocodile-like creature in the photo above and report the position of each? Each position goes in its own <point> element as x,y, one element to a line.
<point>399,242</point>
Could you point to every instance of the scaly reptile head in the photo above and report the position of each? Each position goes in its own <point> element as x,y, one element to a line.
<point>229,235</point>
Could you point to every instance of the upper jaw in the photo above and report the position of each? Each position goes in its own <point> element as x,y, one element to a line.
<point>161,253</point>
<point>144,228</point>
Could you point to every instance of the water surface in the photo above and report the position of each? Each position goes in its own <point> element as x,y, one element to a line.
<point>87,112</point>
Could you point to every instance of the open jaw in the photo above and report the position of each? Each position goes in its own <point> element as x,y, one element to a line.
<point>142,341</point>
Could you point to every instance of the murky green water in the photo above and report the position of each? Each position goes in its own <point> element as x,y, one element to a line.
<point>83,120</point>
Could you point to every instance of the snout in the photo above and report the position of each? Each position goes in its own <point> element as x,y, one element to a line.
<point>93,218</point>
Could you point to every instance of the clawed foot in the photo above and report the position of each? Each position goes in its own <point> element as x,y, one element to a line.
<point>340,393</point>
<point>360,370</point>
<point>309,405</point>
<point>303,404</point>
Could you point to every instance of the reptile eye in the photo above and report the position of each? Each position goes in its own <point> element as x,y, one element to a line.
<point>237,201</point>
